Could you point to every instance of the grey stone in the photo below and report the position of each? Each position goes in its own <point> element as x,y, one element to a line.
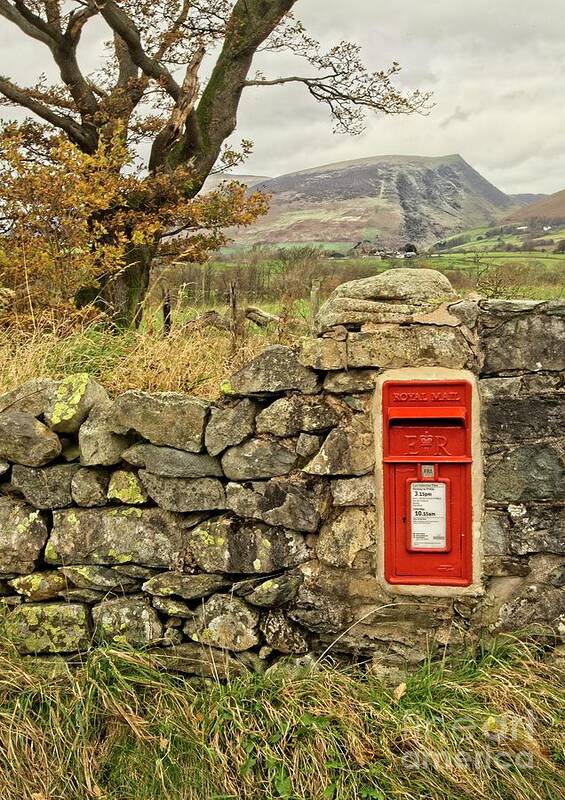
<point>32,397</point>
<point>189,587</point>
<point>230,426</point>
<point>259,458</point>
<point>149,536</point>
<point>72,401</point>
<point>467,311</point>
<point>164,418</point>
<point>537,529</point>
<point>347,537</point>
<point>196,659</point>
<point>504,566</point>
<point>47,628</point>
<point>40,585</point>
<point>411,346</point>
<point>290,504</point>
<point>185,494</point>
<point>323,354</point>
<point>126,620</point>
<point>392,296</point>
<point>274,370</point>
<point>4,467</point>
<point>495,532</point>
<point>318,612</point>
<point>514,412</point>
<point>226,622</point>
<point>534,606</point>
<point>89,596</point>
<point>351,381</point>
<point>282,635</point>
<point>531,472</point>
<point>224,544</point>
<point>273,592</point>
<point>307,445</point>
<point>25,440</point>
<point>171,463</point>
<point>172,607</point>
<point>288,416</point>
<point>89,487</point>
<point>347,450</point>
<point>126,487</point>
<point>23,533</point>
<point>103,579</point>
<point>45,487</point>
<point>354,491</point>
<point>98,444</point>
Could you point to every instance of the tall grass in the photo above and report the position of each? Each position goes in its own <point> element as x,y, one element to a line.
<point>116,728</point>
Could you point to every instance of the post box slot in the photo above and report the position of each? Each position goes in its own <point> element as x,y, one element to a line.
<point>419,422</point>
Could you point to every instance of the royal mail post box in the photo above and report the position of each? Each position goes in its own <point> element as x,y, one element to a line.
<point>427,482</point>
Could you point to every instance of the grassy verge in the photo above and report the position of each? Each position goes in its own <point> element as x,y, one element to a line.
<point>489,726</point>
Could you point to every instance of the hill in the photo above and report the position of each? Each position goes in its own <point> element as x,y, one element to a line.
<point>548,209</point>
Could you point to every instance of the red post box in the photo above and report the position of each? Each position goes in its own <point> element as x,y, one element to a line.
<point>427,482</point>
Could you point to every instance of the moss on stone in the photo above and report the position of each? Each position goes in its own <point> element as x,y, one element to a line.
<point>68,396</point>
<point>127,488</point>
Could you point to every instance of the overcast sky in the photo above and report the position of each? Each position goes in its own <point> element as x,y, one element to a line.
<point>496,68</point>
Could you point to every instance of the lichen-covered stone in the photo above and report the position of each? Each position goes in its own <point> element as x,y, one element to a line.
<point>45,487</point>
<point>279,502</point>
<point>185,494</point>
<point>307,445</point>
<point>536,529</point>
<point>224,544</point>
<point>23,533</point>
<point>282,635</point>
<point>347,450</point>
<point>32,397</point>
<point>126,487</point>
<point>103,579</point>
<point>226,622</point>
<point>40,585</point>
<point>172,607</point>
<point>171,463</point>
<point>230,426</point>
<point>350,382</point>
<point>72,401</point>
<point>4,467</point>
<point>276,369</point>
<point>201,660</point>
<point>323,354</point>
<point>354,491</point>
<point>259,458</point>
<point>89,487</point>
<point>147,536</point>
<point>189,587</point>
<point>48,628</point>
<point>98,444</point>
<point>319,612</point>
<point>273,592</point>
<point>530,472</point>
<point>534,606</point>
<point>515,410</point>
<point>288,416</point>
<point>412,346</point>
<point>127,620</point>
<point>25,440</point>
<point>347,537</point>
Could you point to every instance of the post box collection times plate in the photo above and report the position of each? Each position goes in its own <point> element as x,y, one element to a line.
<point>428,516</point>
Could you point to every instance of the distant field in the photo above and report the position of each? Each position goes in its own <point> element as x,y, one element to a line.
<point>479,240</point>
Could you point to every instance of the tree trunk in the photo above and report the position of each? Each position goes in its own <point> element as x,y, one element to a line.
<point>121,296</point>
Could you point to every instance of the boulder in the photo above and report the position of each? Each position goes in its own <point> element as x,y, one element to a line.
<point>126,487</point>
<point>276,369</point>
<point>89,487</point>
<point>288,416</point>
<point>127,620</point>
<point>72,401</point>
<point>350,382</point>
<point>25,440</point>
<point>32,397</point>
<point>354,491</point>
<point>48,628</point>
<point>347,450</point>
<point>229,426</point>
<point>171,463</point>
<point>185,494</point>
<point>100,579</point>
<point>189,587</point>
<point>164,418</point>
<point>323,354</point>
<point>45,487</point>
<point>396,295</point>
<point>282,635</point>
<point>392,346</point>
<point>40,585</point>
<point>98,444</point>
<point>259,458</point>
<point>349,537</point>
<point>530,472</point>
<point>226,622</point>
<point>279,502</point>
<point>201,660</point>
<point>23,534</point>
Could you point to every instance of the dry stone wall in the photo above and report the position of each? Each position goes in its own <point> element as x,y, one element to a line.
<point>225,536</point>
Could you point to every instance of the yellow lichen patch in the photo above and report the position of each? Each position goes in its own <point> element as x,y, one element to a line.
<point>126,487</point>
<point>69,394</point>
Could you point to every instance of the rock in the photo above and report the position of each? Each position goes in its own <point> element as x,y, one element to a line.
<point>392,296</point>
<point>530,472</point>
<point>282,635</point>
<point>411,346</point>
<point>74,397</point>
<point>318,612</point>
<point>504,566</point>
<point>189,587</point>
<point>45,487</point>
<point>185,494</point>
<point>225,622</point>
<point>103,579</point>
<point>466,311</point>
<point>126,620</point>
<point>126,487</point>
<point>347,450</point>
<point>536,529</point>
<point>25,440</point>
<point>23,533</point>
<point>4,467</point>
<point>164,418</point>
<point>172,607</point>
<point>344,540</point>
<point>534,606</point>
<point>323,354</point>
<point>196,659</point>
<point>98,444</point>
<point>278,502</point>
<point>258,458</point>
<point>308,445</point>
<point>89,596</point>
<point>48,628</point>
<point>229,426</point>
<point>40,585</point>
<point>32,397</point>
<point>171,463</point>
<point>270,593</point>
<point>89,487</point>
<point>350,382</point>
<point>495,534</point>
<point>275,370</point>
<point>288,416</point>
<point>149,537</point>
<point>224,544</point>
<point>514,411</point>
<point>354,491</point>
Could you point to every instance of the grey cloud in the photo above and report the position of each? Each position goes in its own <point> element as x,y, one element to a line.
<point>459,115</point>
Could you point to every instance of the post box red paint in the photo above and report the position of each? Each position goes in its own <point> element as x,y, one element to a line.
<point>427,457</point>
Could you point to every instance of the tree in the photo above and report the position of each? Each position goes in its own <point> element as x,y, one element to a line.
<point>150,95</point>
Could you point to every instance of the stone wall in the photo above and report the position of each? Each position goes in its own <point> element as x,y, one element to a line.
<point>227,535</point>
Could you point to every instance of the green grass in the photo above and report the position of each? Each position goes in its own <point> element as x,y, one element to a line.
<point>486,726</point>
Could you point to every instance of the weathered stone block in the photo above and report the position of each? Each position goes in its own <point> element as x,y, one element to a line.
<point>347,450</point>
<point>531,472</point>
<point>279,502</point>
<point>515,410</point>
<point>48,628</point>
<point>189,587</point>
<point>354,491</point>
<point>411,346</point>
<point>259,458</point>
<point>282,635</point>
<point>72,401</point>
<point>323,354</point>
<point>89,487</point>
<point>126,487</point>
<point>185,494</point>
<point>103,579</point>
<point>273,592</point>
<point>307,445</point>
<point>45,487</point>
<point>344,539</point>
<point>127,620</point>
<point>537,529</point>
<point>226,622</point>
<point>318,612</point>
<point>288,416</point>
<point>32,397</point>
<point>171,463</point>
<point>230,426</point>
<point>25,440</point>
<point>98,444</point>
<point>23,533</point>
<point>495,533</point>
<point>40,585</point>
<point>275,370</point>
<point>350,382</point>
